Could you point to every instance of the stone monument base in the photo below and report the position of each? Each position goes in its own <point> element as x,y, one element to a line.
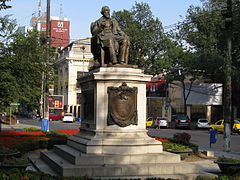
<point>66,161</point>
<point>106,148</point>
<point>112,142</point>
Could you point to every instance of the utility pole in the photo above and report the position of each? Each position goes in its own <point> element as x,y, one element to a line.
<point>46,88</point>
<point>228,77</point>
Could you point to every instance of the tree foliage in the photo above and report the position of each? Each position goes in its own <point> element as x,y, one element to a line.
<point>146,36</point>
<point>202,30</point>
<point>205,31</point>
<point>22,62</point>
<point>8,84</point>
<point>3,4</point>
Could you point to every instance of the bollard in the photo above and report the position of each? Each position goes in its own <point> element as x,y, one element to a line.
<point>45,125</point>
<point>213,136</point>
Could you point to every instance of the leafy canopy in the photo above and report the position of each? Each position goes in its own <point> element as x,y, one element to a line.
<point>23,60</point>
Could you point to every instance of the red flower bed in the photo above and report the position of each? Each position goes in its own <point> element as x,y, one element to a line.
<point>161,139</point>
<point>70,132</point>
<point>11,132</point>
<point>36,133</point>
<point>10,138</point>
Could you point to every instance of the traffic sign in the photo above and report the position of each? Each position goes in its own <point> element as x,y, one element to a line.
<point>14,104</point>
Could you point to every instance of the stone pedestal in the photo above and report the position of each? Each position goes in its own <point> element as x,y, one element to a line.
<point>97,135</point>
<point>106,148</point>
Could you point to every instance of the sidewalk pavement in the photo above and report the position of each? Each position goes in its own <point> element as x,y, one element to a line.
<point>18,127</point>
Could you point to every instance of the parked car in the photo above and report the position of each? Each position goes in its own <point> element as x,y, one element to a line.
<point>149,122</point>
<point>219,126</point>
<point>55,117</point>
<point>181,120</point>
<point>162,122</point>
<point>68,117</point>
<point>202,123</point>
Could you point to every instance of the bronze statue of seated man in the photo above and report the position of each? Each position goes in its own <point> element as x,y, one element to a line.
<point>109,45</point>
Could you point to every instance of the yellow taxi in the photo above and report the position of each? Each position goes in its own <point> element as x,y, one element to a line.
<point>149,122</point>
<point>219,126</point>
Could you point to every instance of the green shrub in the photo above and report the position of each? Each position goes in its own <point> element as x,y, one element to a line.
<point>55,133</point>
<point>28,145</point>
<point>182,137</point>
<point>228,160</point>
<point>8,150</point>
<point>31,129</point>
<point>15,161</point>
<point>194,147</point>
<point>169,146</point>
<point>16,174</point>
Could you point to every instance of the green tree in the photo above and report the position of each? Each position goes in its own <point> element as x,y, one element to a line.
<point>146,36</point>
<point>156,51</point>
<point>8,83</point>
<point>183,65</point>
<point>3,4</point>
<point>202,30</point>
<point>215,32</point>
<point>23,59</point>
<point>29,58</point>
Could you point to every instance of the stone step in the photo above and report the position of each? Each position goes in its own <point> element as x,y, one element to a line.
<point>115,145</point>
<point>40,165</point>
<point>77,143</point>
<point>67,152</point>
<point>189,176</point>
<point>65,168</point>
<point>76,157</point>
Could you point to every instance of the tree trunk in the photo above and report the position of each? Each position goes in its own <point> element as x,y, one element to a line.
<point>228,79</point>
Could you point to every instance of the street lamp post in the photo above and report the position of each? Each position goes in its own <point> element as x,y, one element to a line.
<point>45,87</point>
<point>83,51</point>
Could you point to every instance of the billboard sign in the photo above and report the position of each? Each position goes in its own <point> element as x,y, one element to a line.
<point>204,94</point>
<point>55,101</point>
<point>60,33</point>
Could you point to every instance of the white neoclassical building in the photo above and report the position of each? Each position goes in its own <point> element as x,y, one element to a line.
<point>72,62</point>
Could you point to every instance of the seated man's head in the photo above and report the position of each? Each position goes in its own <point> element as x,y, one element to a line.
<point>105,11</point>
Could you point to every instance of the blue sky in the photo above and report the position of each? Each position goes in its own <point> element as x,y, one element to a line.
<point>82,12</point>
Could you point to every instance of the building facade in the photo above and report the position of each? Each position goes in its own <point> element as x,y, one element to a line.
<point>73,62</point>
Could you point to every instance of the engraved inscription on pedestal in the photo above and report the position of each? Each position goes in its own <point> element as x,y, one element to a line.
<point>122,105</point>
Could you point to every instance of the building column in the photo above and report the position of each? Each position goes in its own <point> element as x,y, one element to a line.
<point>209,113</point>
<point>189,111</point>
<point>169,114</point>
<point>68,108</point>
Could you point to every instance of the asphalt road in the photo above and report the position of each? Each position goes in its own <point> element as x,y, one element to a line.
<point>201,138</point>
<point>53,125</point>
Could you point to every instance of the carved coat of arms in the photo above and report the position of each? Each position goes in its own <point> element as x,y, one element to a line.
<point>122,105</point>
